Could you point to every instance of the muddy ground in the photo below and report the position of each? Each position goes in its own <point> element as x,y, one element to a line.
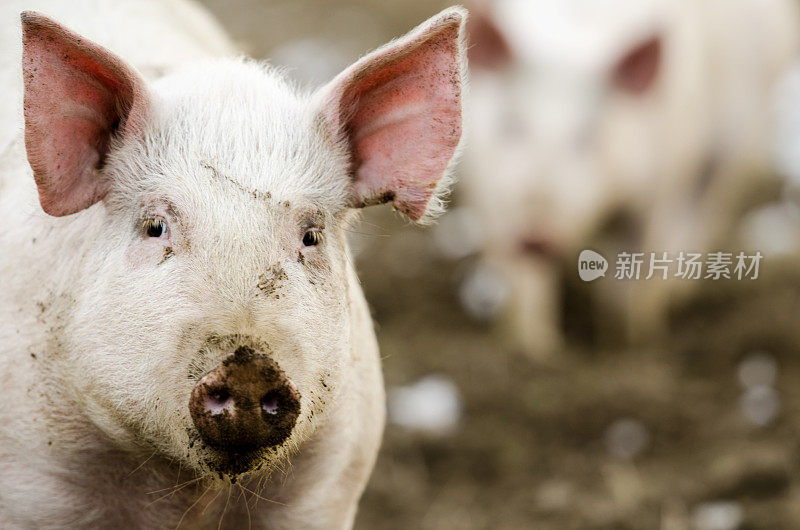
<point>531,448</point>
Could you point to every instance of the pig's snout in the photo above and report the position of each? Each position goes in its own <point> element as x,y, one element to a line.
<point>245,403</point>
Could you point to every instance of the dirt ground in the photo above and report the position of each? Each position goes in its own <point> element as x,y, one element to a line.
<point>531,449</point>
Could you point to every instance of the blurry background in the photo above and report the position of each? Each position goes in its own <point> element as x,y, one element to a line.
<point>500,421</point>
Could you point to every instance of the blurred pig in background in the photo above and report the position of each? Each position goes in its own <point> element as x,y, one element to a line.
<point>648,120</point>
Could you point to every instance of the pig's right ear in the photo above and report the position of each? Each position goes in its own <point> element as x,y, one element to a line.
<point>78,96</point>
<point>397,113</point>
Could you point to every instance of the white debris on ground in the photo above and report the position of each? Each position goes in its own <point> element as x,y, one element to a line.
<point>483,292</point>
<point>626,438</point>
<point>760,403</point>
<point>717,515</point>
<point>431,405</point>
<point>759,368</point>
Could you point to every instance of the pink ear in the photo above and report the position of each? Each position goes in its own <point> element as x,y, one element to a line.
<point>488,47</point>
<point>638,69</point>
<point>77,97</point>
<point>399,110</point>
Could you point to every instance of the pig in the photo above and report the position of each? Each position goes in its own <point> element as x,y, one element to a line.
<point>650,112</point>
<point>184,338</point>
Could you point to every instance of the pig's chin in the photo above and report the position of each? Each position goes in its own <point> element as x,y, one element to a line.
<point>207,460</point>
<point>233,464</point>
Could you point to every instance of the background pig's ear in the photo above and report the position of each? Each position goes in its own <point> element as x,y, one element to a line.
<point>488,47</point>
<point>637,70</point>
<point>77,97</point>
<point>398,110</point>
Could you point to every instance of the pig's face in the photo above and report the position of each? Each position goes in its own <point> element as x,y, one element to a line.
<point>206,246</point>
<point>563,118</point>
<point>212,311</point>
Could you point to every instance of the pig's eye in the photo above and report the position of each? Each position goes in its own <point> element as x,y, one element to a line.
<point>155,227</point>
<point>312,237</point>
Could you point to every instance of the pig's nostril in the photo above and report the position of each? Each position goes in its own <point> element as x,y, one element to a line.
<point>270,403</point>
<point>219,401</point>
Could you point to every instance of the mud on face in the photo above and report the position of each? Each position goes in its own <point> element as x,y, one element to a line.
<point>243,409</point>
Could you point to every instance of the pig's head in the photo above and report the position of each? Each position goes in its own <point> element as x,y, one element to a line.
<point>564,106</point>
<point>211,286</point>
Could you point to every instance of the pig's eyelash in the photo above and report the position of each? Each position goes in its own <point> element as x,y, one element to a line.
<point>155,227</point>
<point>313,237</point>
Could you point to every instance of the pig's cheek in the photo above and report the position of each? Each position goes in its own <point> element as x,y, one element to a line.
<point>315,264</point>
<point>149,253</point>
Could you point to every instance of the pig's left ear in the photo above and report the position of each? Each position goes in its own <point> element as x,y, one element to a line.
<point>78,97</point>
<point>398,112</point>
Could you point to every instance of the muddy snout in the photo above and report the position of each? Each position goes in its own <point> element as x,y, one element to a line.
<point>245,403</point>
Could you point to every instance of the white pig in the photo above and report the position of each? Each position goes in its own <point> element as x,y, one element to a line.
<point>184,338</point>
<point>585,108</point>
